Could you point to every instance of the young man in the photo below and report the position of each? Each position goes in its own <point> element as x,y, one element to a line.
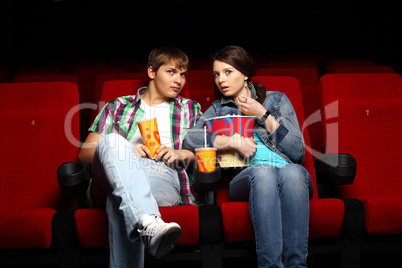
<point>124,173</point>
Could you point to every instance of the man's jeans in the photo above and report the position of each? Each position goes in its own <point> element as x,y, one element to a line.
<point>132,186</point>
<point>279,211</point>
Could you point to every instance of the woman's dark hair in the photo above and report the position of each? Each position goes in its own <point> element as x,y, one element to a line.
<point>240,59</point>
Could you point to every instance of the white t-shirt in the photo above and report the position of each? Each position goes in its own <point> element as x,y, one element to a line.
<point>162,114</point>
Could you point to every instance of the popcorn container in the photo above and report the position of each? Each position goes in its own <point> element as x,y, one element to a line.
<point>232,126</point>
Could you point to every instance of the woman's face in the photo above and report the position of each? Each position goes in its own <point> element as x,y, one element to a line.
<point>230,81</point>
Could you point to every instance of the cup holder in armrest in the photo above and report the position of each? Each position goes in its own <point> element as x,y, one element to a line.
<point>207,181</point>
<point>73,177</point>
<point>341,168</point>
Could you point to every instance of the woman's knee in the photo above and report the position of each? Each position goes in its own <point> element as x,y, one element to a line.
<point>296,177</point>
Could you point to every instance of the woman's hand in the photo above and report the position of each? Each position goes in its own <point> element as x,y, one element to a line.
<point>244,146</point>
<point>250,106</point>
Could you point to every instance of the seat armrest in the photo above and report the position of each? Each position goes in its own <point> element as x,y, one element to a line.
<point>207,183</point>
<point>341,168</point>
<point>73,177</point>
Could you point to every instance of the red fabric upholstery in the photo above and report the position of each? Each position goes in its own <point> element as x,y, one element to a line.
<point>26,228</point>
<point>92,228</point>
<point>309,81</point>
<point>24,78</point>
<point>236,222</point>
<point>326,219</point>
<point>86,85</point>
<point>92,225</point>
<point>39,131</point>
<point>201,87</point>
<point>333,63</point>
<point>361,110</point>
<point>326,215</point>
<point>187,218</point>
<point>363,69</point>
<point>103,77</point>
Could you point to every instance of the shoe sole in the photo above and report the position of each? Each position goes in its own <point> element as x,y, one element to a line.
<point>170,237</point>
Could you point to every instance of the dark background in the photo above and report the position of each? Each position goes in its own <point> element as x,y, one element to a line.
<point>38,31</point>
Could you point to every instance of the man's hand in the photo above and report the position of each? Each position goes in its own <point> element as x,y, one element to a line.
<point>142,151</point>
<point>170,156</point>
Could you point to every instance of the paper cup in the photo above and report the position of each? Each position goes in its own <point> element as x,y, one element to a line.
<point>206,159</point>
<point>150,135</point>
<point>232,126</point>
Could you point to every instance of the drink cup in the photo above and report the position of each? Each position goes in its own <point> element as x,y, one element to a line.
<point>206,159</point>
<point>150,135</point>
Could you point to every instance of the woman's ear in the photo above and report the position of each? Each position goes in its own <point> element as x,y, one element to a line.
<point>151,72</point>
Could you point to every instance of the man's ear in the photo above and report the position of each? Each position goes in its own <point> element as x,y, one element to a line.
<point>151,72</point>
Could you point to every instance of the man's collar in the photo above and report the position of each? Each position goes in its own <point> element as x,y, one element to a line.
<point>143,89</point>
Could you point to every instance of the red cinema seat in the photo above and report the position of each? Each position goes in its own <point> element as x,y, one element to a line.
<point>309,79</point>
<point>200,85</point>
<point>86,86</point>
<point>327,215</point>
<point>334,63</point>
<point>91,223</point>
<point>362,117</point>
<point>26,78</point>
<point>363,69</point>
<point>39,131</point>
<point>102,78</point>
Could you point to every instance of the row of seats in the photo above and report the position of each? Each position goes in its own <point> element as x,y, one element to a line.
<point>41,131</point>
<point>200,85</point>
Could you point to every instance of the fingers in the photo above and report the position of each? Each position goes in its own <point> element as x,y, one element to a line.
<point>165,154</point>
<point>142,151</point>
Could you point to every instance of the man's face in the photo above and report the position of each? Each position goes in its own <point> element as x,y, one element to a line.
<point>169,79</point>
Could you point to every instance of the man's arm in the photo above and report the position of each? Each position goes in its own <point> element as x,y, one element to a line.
<point>87,151</point>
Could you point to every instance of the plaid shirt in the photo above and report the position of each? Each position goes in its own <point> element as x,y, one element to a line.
<point>121,115</point>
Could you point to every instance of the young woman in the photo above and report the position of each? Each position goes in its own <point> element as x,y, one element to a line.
<point>275,184</point>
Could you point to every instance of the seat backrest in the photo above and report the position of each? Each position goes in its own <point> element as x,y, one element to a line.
<point>309,81</point>
<point>86,86</point>
<point>361,116</point>
<point>333,63</point>
<point>26,78</point>
<point>200,85</point>
<point>363,69</point>
<point>289,86</point>
<point>39,131</point>
<point>103,77</point>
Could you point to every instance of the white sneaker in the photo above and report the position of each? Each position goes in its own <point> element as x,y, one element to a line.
<point>157,235</point>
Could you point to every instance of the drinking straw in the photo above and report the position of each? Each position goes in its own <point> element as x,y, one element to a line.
<point>205,136</point>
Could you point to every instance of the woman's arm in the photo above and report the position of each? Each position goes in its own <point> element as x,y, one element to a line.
<point>252,107</point>
<point>283,128</point>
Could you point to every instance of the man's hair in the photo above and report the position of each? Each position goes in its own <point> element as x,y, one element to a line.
<point>162,55</point>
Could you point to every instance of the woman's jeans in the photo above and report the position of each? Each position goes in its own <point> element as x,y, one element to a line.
<point>279,211</point>
<point>131,186</point>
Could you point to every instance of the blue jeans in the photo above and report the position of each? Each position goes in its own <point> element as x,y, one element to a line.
<point>132,186</point>
<point>279,211</point>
